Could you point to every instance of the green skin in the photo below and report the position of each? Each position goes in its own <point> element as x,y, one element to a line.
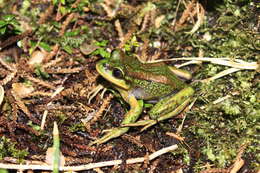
<point>138,82</point>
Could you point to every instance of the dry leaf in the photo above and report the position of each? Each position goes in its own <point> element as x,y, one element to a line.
<point>37,57</point>
<point>49,157</point>
<point>158,21</point>
<point>21,89</point>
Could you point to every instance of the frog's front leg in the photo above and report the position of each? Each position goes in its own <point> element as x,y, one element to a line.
<point>167,108</point>
<point>131,116</point>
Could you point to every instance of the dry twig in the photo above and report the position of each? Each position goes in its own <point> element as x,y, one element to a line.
<point>90,165</point>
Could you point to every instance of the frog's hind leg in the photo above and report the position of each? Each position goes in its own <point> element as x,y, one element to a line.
<point>167,108</point>
<point>111,133</point>
<point>130,117</point>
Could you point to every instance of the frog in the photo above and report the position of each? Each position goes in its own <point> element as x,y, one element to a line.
<point>138,83</point>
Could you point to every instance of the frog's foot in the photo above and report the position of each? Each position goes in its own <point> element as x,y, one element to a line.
<point>145,123</point>
<point>112,133</point>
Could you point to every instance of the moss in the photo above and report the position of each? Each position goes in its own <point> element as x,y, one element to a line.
<point>8,148</point>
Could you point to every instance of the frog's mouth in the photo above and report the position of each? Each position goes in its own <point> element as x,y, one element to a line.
<point>105,72</point>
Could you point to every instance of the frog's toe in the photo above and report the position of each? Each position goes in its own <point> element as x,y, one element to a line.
<point>151,123</point>
<point>145,123</point>
<point>112,133</point>
<point>140,123</point>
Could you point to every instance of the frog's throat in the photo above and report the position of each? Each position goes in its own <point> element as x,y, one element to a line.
<point>108,76</point>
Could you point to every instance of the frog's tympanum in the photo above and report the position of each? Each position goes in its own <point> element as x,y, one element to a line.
<point>137,82</point>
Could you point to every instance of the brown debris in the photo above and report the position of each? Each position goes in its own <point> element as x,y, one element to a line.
<point>67,22</point>
<point>14,39</point>
<point>47,13</point>
<point>54,52</point>
<point>99,113</point>
<point>24,108</point>
<point>41,82</point>
<point>64,70</point>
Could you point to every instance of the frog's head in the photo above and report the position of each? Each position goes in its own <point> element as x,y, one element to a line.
<point>112,69</point>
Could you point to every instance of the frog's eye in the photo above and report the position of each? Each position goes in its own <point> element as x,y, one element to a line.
<point>118,73</point>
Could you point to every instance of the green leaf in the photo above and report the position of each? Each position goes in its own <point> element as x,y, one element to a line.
<point>54,2</point>
<point>102,52</point>
<point>8,17</point>
<point>63,2</point>
<point>64,10</point>
<point>72,33</point>
<point>2,30</point>
<point>2,23</point>
<point>45,46</point>
<point>40,72</point>
<point>210,154</point>
<point>102,43</point>
<point>35,127</point>
<point>67,49</point>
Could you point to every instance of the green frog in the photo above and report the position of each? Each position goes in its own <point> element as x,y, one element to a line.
<point>155,83</point>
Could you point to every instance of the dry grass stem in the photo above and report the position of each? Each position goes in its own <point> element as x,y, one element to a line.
<point>145,22</point>
<point>119,30</point>
<point>188,63</point>
<point>38,93</point>
<point>94,92</point>
<point>53,62</point>
<point>185,16</point>
<point>237,165</point>
<point>126,37</point>
<point>44,116</point>
<point>90,165</point>
<point>200,18</point>
<point>8,78</point>
<point>219,100</point>
<point>110,12</point>
<point>176,136</point>
<point>41,82</point>
<point>221,74</point>
<point>215,170</point>
<point>235,63</point>
<point>64,70</point>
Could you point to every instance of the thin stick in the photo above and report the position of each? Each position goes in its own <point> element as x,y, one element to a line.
<point>90,165</point>
<point>56,147</point>
<point>235,63</point>
<point>44,116</point>
<point>221,74</point>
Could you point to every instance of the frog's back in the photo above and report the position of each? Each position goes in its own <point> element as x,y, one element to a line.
<point>152,80</point>
<point>157,72</point>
